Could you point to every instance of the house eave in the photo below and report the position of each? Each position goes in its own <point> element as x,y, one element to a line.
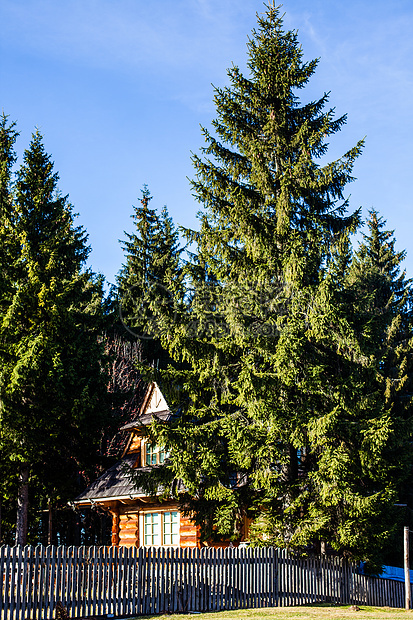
<point>104,500</point>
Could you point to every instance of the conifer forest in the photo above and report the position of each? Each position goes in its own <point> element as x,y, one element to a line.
<point>280,333</point>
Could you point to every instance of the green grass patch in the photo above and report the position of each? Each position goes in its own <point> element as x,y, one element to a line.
<point>310,612</point>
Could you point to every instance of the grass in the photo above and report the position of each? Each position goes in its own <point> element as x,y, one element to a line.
<point>311,612</point>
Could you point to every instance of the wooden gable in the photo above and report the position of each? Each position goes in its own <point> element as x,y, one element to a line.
<point>154,405</point>
<point>154,401</point>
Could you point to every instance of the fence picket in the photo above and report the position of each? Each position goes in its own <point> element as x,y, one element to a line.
<point>67,579</point>
<point>280,577</point>
<point>81,603</point>
<point>164,581</point>
<point>127,578</point>
<point>13,581</point>
<point>242,581</point>
<point>91,580</point>
<point>39,582</point>
<point>31,584</point>
<point>122,580</point>
<point>137,582</point>
<point>237,584</point>
<point>117,551</point>
<point>75,581</point>
<point>8,603</point>
<point>234,578</point>
<point>50,582</point>
<point>156,572</point>
<point>179,579</point>
<point>15,578</point>
<point>95,579</point>
<point>123,576</point>
<point>101,591</point>
<point>288,578</point>
<point>153,580</point>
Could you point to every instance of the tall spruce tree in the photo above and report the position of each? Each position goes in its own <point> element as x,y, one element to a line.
<point>382,294</point>
<point>52,383</point>
<point>267,337</point>
<point>380,309</point>
<point>358,453</point>
<point>151,278</point>
<point>8,136</point>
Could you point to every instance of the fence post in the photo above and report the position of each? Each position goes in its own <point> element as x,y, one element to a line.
<point>406,569</point>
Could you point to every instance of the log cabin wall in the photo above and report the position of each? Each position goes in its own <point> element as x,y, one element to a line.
<point>129,529</point>
<point>189,533</point>
<point>126,526</point>
<point>126,523</point>
<point>114,511</point>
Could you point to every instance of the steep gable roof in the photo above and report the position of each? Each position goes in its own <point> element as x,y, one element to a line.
<point>116,483</point>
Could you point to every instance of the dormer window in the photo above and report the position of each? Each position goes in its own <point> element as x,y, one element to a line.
<point>154,454</point>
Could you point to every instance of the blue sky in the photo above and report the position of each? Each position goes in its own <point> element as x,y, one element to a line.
<point>119,87</point>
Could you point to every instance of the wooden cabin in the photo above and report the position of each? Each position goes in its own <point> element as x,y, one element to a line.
<point>138,519</point>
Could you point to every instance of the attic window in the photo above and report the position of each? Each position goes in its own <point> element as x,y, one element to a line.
<point>155,455</point>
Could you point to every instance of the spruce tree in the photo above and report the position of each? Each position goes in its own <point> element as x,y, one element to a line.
<point>276,365</point>
<point>8,245</point>
<point>8,135</point>
<point>52,383</point>
<point>150,279</point>
<point>382,294</point>
<point>382,316</point>
<point>362,446</point>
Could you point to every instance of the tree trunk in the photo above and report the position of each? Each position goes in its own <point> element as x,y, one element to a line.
<point>293,467</point>
<point>22,505</point>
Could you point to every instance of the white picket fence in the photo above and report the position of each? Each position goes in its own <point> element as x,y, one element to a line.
<point>96,581</point>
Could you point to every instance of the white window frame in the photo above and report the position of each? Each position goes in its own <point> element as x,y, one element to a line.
<point>162,533</point>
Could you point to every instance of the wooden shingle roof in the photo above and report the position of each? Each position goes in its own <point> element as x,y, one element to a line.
<point>115,483</point>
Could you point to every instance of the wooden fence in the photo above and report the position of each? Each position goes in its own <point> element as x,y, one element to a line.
<point>331,580</point>
<point>98,581</point>
<point>121,581</point>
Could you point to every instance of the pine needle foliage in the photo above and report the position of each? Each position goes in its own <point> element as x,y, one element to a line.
<point>52,384</point>
<point>8,253</point>
<point>275,423</point>
<point>8,249</point>
<point>150,279</point>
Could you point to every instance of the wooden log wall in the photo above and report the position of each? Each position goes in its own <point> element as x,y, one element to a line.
<point>94,581</point>
<point>188,533</point>
<point>115,525</point>
<point>129,529</point>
